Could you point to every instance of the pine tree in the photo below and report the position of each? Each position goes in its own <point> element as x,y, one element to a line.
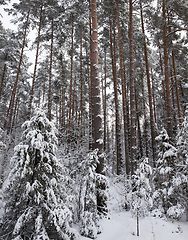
<point>35,198</point>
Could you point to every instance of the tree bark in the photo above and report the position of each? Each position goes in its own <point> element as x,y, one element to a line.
<point>152,127</point>
<point>104,102</point>
<point>70,91</point>
<point>167,81</point>
<point>81,84</point>
<point>36,61</point>
<point>125,114</point>
<point>11,104</point>
<point>177,89</point>
<point>145,129</point>
<point>3,75</point>
<point>96,109</point>
<point>50,75</point>
<point>132,91</point>
<point>117,122</point>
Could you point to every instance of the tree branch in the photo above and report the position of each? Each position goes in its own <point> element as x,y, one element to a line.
<point>177,30</point>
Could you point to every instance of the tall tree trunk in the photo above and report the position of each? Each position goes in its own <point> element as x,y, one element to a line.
<point>153,97</point>
<point>138,127</point>
<point>132,91</point>
<point>117,122</point>
<point>104,102</point>
<point>11,104</point>
<point>176,87</point>
<point>95,105</point>
<point>36,61</point>
<point>50,76</point>
<point>145,129</point>
<point>123,93</point>
<point>90,79</point>
<point>163,86</point>
<point>152,127</point>
<point>81,84</point>
<point>3,75</point>
<point>70,91</point>
<point>167,81</point>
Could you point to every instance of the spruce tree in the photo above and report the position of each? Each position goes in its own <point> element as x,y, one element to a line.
<point>139,197</point>
<point>35,198</point>
<point>164,173</point>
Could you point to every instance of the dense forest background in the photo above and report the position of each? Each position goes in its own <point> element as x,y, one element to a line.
<point>110,85</point>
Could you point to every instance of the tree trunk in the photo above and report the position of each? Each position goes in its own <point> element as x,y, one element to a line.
<point>177,89</point>
<point>104,102</point>
<point>138,127</point>
<point>126,125</point>
<point>145,129</point>
<point>89,80</point>
<point>35,67</point>
<point>70,91</point>
<point>95,105</point>
<point>50,76</point>
<point>149,87</point>
<point>11,104</point>
<point>137,224</point>
<point>118,125</point>
<point>167,81</point>
<point>81,84</point>
<point>132,91</point>
<point>3,75</point>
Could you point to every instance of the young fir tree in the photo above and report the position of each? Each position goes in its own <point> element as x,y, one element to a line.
<point>164,173</point>
<point>180,180</point>
<point>139,196</point>
<point>87,196</point>
<point>35,198</point>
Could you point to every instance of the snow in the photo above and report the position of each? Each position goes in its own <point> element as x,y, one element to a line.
<point>121,225</point>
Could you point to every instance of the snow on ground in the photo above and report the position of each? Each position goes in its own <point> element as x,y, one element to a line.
<point>120,225</point>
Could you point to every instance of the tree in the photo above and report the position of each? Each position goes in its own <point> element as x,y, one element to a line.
<point>180,182</point>
<point>132,90</point>
<point>35,198</point>
<point>139,197</point>
<point>95,105</point>
<point>164,172</point>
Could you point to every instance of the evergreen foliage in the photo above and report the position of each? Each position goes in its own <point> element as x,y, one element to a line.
<point>35,198</point>
<point>139,196</point>
<point>164,173</point>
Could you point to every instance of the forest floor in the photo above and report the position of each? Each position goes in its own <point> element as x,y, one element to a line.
<point>121,225</point>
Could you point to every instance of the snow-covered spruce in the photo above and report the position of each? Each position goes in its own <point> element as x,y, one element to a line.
<point>180,180</point>
<point>164,196</point>
<point>89,181</point>
<point>139,197</point>
<point>35,198</point>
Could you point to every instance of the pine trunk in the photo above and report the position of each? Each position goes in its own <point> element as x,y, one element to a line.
<point>117,122</point>
<point>177,89</point>
<point>3,75</point>
<point>149,87</point>
<point>96,109</point>
<point>132,91</point>
<point>71,78</point>
<point>50,75</point>
<point>167,80</point>
<point>126,125</point>
<point>145,129</point>
<point>11,104</point>
<point>104,102</point>
<point>81,84</point>
<point>35,67</point>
